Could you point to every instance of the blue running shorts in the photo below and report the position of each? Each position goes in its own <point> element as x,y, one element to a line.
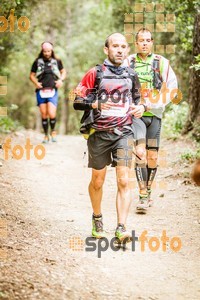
<point>41,100</point>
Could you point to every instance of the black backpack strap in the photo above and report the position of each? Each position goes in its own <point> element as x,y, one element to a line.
<point>132,63</point>
<point>131,73</point>
<point>157,78</point>
<point>156,64</point>
<point>135,85</point>
<point>99,76</point>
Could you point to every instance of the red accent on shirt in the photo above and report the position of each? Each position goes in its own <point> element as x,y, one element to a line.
<point>86,83</point>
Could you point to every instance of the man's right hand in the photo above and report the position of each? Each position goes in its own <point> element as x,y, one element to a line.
<point>104,105</point>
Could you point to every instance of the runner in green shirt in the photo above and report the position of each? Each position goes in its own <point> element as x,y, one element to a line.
<point>158,82</point>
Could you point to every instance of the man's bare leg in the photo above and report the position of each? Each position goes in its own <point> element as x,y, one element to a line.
<point>142,178</point>
<point>141,168</point>
<point>152,163</point>
<point>96,189</point>
<point>96,192</point>
<point>123,202</point>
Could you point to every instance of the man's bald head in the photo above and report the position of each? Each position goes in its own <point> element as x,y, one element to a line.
<point>116,48</point>
<point>112,36</point>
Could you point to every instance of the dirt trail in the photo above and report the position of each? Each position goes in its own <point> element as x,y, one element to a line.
<point>45,205</point>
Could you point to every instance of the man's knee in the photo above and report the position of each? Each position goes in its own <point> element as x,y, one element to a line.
<point>97,182</point>
<point>141,155</point>
<point>152,158</point>
<point>122,177</point>
<point>122,183</point>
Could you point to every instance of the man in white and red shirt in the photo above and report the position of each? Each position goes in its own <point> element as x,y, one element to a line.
<point>158,87</point>
<point>113,103</point>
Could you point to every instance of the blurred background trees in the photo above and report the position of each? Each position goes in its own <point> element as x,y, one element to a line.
<point>78,30</point>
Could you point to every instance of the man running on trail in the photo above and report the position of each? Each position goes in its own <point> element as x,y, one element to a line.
<point>111,136</point>
<point>156,78</point>
<point>47,73</point>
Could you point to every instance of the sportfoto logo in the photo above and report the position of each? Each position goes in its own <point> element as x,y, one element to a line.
<point>154,96</point>
<point>146,243</point>
<point>23,23</point>
<point>18,151</point>
<point>155,18</point>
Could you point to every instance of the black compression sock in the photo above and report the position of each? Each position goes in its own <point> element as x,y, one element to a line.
<point>53,124</point>
<point>151,176</point>
<point>45,126</point>
<point>141,175</point>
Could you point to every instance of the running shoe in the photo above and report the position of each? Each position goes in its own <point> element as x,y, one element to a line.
<point>97,227</point>
<point>149,198</point>
<point>46,139</point>
<point>122,235</point>
<point>53,136</point>
<point>143,203</point>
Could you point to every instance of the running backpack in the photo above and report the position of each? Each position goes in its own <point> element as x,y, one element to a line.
<point>99,76</point>
<point>157,78</point>
<point>88,117</point>
<point>41,66</point>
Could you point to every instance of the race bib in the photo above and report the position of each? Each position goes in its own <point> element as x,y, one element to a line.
<point>47,93</point>
<point>117,109</point>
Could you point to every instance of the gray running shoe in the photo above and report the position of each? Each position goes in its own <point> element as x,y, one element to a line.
<point>143,203</point>
<point>46,139</point>
<point>149,198</point>
<point>122,235</point>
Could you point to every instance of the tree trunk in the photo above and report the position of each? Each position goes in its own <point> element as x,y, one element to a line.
<point>193,120</point>
<point>64,124</point>
<point>63,129</point>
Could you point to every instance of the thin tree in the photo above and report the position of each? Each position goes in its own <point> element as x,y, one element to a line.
<point>193,120</point>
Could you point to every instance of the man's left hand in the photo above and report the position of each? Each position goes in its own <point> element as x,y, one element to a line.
<point>137,110</point>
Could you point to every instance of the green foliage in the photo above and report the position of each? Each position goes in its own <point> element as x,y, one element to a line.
<point>185,11</point>
<point>190,156</point>
<point>197,65</point>
<point>8,124</point>
<point>174,120</point>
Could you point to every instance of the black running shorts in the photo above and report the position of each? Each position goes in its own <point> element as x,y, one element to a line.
<point>105,148</point>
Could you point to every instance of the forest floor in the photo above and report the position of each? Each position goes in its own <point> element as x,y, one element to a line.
<point>45,218</point>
